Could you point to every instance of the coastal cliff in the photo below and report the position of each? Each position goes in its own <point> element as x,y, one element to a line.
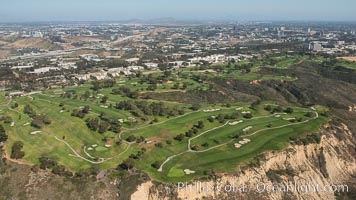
<point>312,171</point>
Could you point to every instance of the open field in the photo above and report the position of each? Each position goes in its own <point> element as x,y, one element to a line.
<point>44,143</point>
<point>32,43</point>
<point>224,140</point>
<point>4,53</point>
<point>68,139</point>
<point>223,156</point>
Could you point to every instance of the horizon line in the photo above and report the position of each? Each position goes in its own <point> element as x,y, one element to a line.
<point>177,20</point>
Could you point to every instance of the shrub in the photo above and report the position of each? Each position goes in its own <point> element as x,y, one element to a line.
<point>131,138</point>
<point>16,152</point>
<point>3,136</point>
<point>156,164</point>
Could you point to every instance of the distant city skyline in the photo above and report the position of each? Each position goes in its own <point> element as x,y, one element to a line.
<point>116,10</point>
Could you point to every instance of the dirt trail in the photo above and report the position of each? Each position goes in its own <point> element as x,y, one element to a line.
<point>7,156</point>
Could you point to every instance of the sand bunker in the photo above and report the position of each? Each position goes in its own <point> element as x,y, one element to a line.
<point>245,141</point>
<point>247,128</point>
<point>35,132</point>
<point>240,108</point>
<point>291,118</point>
<point>188,171</point>
<point>234,123</point>
<point>211,110</point>
<point>242,142</point>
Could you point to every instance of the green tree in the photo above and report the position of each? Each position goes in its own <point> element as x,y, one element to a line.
<point>104,99</point>
<point>3,135</point>
<point>16,152</point>
<point>156,164</point>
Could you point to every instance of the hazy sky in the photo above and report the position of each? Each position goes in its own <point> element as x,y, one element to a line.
<point>98,10</point>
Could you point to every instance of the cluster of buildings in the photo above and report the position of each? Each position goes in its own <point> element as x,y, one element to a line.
<point>110,73</point>
<point>150,47</point>
<point>331,47</point>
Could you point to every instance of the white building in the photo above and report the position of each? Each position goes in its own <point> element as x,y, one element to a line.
<point>152,66</point>
<point>132,60</point>
<point>89,57</point>
<point>44,70</point>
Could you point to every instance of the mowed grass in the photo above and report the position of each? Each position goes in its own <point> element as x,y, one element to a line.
<point>226,158</point>
<point>225,134</point>
<point>65,126</point>
<point>177,125</point>
<point>166,131</point>
<point>222,159</point>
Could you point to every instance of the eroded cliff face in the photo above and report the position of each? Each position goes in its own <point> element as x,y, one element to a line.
<point>332,162</point>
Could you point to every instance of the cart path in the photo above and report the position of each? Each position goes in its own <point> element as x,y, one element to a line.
<point>191,151</point>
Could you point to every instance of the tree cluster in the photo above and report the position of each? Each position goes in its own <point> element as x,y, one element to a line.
<point>29,111</point>
<point>81,112</point>
<point>47,162</point>
<point>133,138</point>
<point>221,118</point>
<point>141,108</point>
<point>106,83</point>
<point>16,150</point>
<point>125,91</point>
<point>95,124</point>
<point>3,135</point>
<point>40,120</point>
<point>138,155</point>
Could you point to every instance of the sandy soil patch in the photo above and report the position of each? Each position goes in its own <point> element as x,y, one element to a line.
<point>142,192</point>
<point>4,53</point>
<point>255,82</point>
<point>188,171</point>
<point>3,42</point>
<point>351,58</point>
<point>150,142</point>
<point>80,39</point>
<point>31,43</point>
